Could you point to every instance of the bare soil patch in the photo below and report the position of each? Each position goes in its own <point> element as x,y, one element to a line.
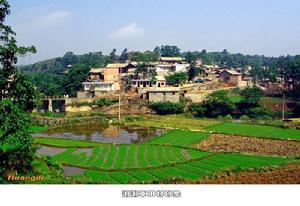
<point>288,174</point>
<point>261,146</point>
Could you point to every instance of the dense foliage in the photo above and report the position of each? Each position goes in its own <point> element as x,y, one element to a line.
<point>74,78</point>
<point>220,104</point>
<point>16,143</point>
<point>17,95</point>
<point>176,78</point>
<point>164,108</point>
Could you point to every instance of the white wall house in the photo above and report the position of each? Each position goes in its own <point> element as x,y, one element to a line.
<point>99,86</point>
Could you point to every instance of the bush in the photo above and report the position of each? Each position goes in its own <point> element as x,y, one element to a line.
<point>49,114</point>
<point>198,110</point>
<point>163,108</point>
<point>244,117</point>
<point>176,78</point>
<point>259,112</point>
<point>104,102</point>
<point>98,102</point>
<point>218,104</point>
<point>228,117</point>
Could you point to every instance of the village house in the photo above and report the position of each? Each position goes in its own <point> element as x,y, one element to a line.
<point>105,79</point>
<point>232,78</point>
<point>159,81</point>
<point>169,65</point>
<point>166,94</point>
<point>113,72</point>
<point>96,74</point>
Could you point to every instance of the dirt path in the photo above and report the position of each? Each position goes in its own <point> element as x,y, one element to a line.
<point>261,146</point>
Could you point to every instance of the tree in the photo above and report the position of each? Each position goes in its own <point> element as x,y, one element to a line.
<point>16,143</point>
<point>218,104</point>
<point>249,105</point>
<point>8,51</point>
<point>142,69</point>
<point>22,93</point>
<point>124,55</point>
<point>169,51</point>
<point>144,57</point>
<point>157,51</point>
<point>74,79</point>
<point>292,76</point>
<point>194,71</point>
<point>251,95</point>
<point>113,56</point>
<point>176,78</point>
<point>69,59</point>
<point>190,57</point>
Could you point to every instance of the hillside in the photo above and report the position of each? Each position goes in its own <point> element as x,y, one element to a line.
<point>51,77</point>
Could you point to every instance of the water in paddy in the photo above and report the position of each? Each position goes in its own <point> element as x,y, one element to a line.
<point>105,134</point>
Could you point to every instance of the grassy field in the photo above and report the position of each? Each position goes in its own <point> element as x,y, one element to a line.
<point>189,171</point>
<point>256,131</point>
<point>172,121</point>
<point>179,137</point>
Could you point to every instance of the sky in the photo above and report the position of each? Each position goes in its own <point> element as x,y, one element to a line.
<point>265,27</point>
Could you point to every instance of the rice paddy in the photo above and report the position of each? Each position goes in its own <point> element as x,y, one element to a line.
<point>168,157</point>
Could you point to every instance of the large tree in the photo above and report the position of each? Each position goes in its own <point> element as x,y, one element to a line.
<point>169,51</point>
<point>124,56</point>
<point>16,144</point>
<point>9,51</point>
<point>73,80</point>
<point>218,104</point>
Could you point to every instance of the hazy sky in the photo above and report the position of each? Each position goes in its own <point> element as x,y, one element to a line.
<point>268,27</point>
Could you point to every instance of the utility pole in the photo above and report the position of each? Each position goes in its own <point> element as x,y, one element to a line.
<point>120,105</point>
<point>283,97</point>
<point>120,90</point>
<point>283,93</point>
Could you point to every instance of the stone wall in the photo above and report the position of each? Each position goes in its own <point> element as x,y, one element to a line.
<point>163,96</point>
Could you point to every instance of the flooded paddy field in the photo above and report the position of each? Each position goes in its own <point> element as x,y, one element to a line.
<point>104,134</point>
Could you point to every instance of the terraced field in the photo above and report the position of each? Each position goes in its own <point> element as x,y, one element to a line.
<point>256,131</point>
<point>192,170</point>
<point>179,137</point>
<point>119,157</point>
<point>160,159</point>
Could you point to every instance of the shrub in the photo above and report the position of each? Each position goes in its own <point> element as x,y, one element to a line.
<point>228,117</point>
<point>259,112</point>
<point>163,108</point>
<point>218,104</point>
<point>177,78</point>
<point>103,102</point>
<point>244,117</point>
<point>98,102</point>
<point>198,110</point>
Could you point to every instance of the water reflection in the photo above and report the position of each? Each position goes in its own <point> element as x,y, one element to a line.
<point>71,171</point>
<point>43,150</point>
<point>108,134</point>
